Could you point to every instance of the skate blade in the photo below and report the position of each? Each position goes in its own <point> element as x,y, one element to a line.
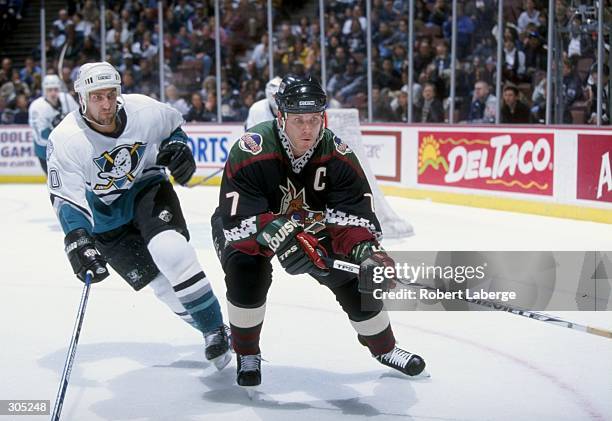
<point>222,361</point>
<point>252,392</point>
<point>422,375</point>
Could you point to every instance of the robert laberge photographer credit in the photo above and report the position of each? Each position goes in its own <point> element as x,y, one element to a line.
<point>436,294</point>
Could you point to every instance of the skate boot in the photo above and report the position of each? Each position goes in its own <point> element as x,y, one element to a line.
<point>249,370</point>
<point>218,347</point>
<point>404,361</point>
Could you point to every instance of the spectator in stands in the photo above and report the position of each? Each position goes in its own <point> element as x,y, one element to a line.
<point>465,31</point>
<point>439,13</point>
<point>484,104</point>
<point>538,103</point>
<point>341,79</point>
<point>260,52</point>
<point>513,63</point>
<point>173,99</point>
<point>430,109</point>
<point>210,108</point>
<point>424,55</point>
<point>535,54</point>
<point>513,111</point>
<point>400,106</point>
<point>7,67</point>
<point>144,49</point>
<point>387,77</point>
<point>129,83</point>
<point>354,15</point>
<point>580,43</point>
<point>605,95</point>
<point>82,27</point>
<point>381,108</point>
<point>529,15</point>
<point>62,21</point>
<point>20,115</point>
<point>26,74</point>
<point>196,110</point>
<point>572,86</point>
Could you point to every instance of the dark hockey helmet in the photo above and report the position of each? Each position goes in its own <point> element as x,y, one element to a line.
<point>300,95</point>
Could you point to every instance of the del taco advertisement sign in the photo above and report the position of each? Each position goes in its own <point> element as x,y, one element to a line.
<point>511,162</point>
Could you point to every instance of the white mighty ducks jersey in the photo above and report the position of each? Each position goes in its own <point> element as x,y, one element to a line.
<point>94,178</point>
<point>43,116</point>
<point>258,113</point>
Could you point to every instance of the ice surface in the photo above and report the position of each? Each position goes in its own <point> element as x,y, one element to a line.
<point>137,361</point>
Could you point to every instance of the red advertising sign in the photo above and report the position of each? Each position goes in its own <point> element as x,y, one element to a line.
<point>512,162</point>
<point>594,176</point>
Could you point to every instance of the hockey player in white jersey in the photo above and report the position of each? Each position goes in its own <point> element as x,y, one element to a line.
<point>264,109</point>
<point>114,201</point>
<point>46,112</point>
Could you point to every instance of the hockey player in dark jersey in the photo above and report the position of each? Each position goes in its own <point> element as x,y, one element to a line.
<point>291,188</point>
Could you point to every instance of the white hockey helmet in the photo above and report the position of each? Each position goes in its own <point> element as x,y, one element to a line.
<point>51,82</point>
<point>271,89</point>
<point>96,76</point>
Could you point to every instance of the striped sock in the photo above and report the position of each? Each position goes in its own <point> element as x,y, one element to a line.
<point>197,297</point>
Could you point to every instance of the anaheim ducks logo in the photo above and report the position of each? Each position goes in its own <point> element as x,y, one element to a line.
<point>251,143</point>
<point>118,165</point>
<point>294,206</point>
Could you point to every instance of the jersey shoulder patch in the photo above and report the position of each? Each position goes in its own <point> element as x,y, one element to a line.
<point>251,142</point>
<point>340,146</point>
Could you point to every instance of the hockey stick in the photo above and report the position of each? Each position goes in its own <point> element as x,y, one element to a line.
<point>535,315</point>
<point>61,393</point>
<point>60,71</point>
<point>205,179</point>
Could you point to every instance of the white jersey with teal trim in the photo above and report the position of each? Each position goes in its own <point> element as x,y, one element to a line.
<point>258,113</point>
<point>43,116</point>
<point>94,178</point>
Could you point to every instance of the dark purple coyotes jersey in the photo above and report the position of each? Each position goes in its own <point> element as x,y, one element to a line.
<point>330,195</point>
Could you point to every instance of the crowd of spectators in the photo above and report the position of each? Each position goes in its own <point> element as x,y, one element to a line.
<point>132,45</point>
<point>10,15</point>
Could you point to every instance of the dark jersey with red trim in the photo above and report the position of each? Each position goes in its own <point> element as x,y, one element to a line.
<point>330,196</point>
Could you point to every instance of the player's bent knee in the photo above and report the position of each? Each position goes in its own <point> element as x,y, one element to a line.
<point>129,257</point>
<point>173,255</point>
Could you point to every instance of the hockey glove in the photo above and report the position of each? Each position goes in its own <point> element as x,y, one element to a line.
<point>177,156</point>
<point>373,261</point>
<point>297,251</point>
<point>84,256</point>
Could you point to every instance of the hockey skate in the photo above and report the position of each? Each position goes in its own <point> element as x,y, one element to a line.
<point>218,347</point>
<point>248,372</point>
<point>403,361</point>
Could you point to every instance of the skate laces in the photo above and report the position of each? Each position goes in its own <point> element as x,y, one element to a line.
<point>216,336</point>
<point>249,362</point>
<point>397,357</point>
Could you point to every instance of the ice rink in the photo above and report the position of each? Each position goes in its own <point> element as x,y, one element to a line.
<point>137,361</point>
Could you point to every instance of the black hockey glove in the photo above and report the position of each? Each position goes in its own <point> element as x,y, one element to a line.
<point>177,156</point>
<point>297,251</point>
<point>375,267</point>
<point>84,256</point>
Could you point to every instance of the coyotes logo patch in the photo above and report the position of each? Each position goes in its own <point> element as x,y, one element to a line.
<point>294,206</point>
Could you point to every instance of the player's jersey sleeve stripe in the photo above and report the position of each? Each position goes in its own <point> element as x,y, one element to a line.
<point>55,197</point>
<point>70,215</point>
